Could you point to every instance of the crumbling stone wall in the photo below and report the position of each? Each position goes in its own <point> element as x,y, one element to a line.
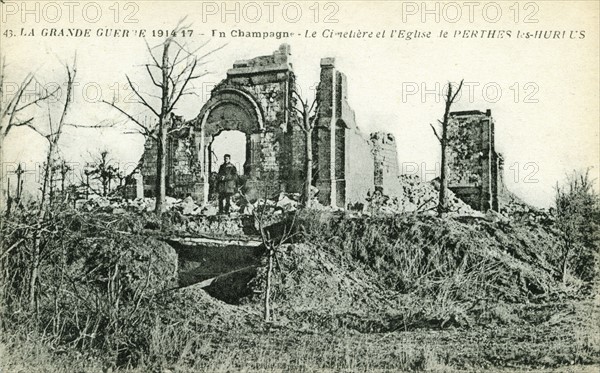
<point>385,158</point>
<point>182,166</point>
<point>359,167</point>
<point>344,156</point>
<point>473,164</point>
<point>259,91</point>
<point>148,167</point>
<point>255,98</point>
<point>182,171</point>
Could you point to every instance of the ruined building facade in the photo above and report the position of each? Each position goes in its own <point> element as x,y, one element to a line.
<point>256,99</point>
<point>474,167</point>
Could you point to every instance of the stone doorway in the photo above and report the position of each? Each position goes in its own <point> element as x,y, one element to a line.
<point>234,143</point>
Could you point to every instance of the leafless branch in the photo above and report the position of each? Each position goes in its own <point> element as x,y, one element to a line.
<point>101,124</point>
<point>142,99</point>
<point>185,83</point>
<point>152,54</point>
<point>17,97</point>
<point>313,106</point>
<point>7,251</point>
<point>314,120</point>
<point>298,110</point>
<point>435,132</point>
<point>457,91</point>
<point>152,76</point>
<point>295,92</point>
<point>146,131</point>
<point>71,74</point>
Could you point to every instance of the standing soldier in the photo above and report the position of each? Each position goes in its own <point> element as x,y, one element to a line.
<point>227,184</point>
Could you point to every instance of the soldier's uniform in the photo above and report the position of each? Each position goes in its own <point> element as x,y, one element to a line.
<point>226,186</point>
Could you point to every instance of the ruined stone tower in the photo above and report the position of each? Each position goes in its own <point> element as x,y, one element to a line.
<point>385,157</point>
<point>343,156</point>
<point>475,169</point>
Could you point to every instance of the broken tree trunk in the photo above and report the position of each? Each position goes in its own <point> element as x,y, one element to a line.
<point>443,198</point>
<point>163,120</point>
<point>309,158</point>
<point>442,207</point>
<point>267,304</point>
<point>53,138</point>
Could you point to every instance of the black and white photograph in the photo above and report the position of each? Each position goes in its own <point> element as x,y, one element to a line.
<point>299,186</point>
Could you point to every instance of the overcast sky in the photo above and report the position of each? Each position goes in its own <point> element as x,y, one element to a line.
<point>546,117</point>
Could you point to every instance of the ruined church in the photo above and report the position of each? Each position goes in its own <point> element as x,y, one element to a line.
<point>256,99</point>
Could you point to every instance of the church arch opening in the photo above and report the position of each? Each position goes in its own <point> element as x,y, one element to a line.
<point>234,143</point>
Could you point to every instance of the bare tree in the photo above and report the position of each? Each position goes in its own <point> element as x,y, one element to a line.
<point>306,123</point>
<point>176,68</point>
<point>13,110</point>
<point>64,170</point>
<point>104,171</point>
<point>52,135</point>
<point>272,243</point>
<point>443,139</point>
<point>273,232</point>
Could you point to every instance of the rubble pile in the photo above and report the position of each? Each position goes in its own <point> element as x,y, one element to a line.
<point>211,226</point>
<point>515,208</point>
<point>284,202</point>
<point>416,196</point>
<point>186,206</point>
<point>119,205</point>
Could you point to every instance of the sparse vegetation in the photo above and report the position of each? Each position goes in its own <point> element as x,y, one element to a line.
<point>405,292</point>
<point>577,218</point>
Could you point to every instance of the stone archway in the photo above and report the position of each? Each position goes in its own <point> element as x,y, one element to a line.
<point>230,109</point>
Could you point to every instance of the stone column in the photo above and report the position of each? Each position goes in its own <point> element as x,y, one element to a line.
<point>326,133</point>
<point>139,184</point>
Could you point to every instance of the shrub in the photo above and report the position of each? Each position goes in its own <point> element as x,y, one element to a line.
<point>97,281</point>
<point>577,218</point>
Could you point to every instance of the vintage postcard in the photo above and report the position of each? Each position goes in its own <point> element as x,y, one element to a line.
<point>299,186</point>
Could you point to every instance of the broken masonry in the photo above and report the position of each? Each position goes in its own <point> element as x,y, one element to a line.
<point>256,97</point>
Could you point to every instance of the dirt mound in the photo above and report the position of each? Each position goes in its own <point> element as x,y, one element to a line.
<point>194,305</point>
<point>384,273</point>
<point>313,288</point>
